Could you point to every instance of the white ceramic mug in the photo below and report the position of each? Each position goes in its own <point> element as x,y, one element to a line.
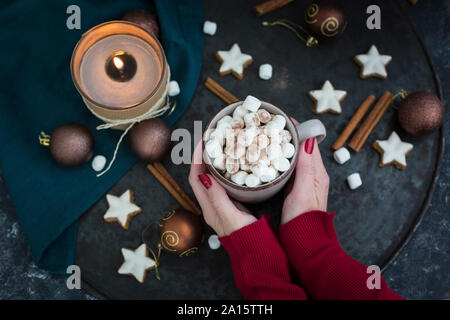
<point>301,132</point>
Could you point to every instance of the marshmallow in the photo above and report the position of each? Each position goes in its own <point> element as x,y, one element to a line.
<point>278,121</point>
<point>245,166</point>
<point>253,153</point>
<point>267,174</point>
<point>263,158</point>
<point>252,181</point>
<point>174,88</point>
<point>251,119</point>
<point>264,115</point>
<point>251,103</point>
<point>213,242</point>
<point>213,148</point>
<point>239,177</point>
<point>288,150</point>
<point>262,141</point>
<point>235,151</point>
<point>341,155</point>
<point>281,164</point>
<point>231,165</point>
<point>354,181</point>
<point>210,28</point>
<point>246,136</point>
<point>219,162</point>
<point>274,151</point>
<point>237,123</point>
<point>239,112</point>
<point>224,120</point>
<point>98,163</point>
<point>286,136</point>
<point>227,175</point>
<point>265,71</point>
<point>258,168</point>
<point>217,135</point>
<point>230,135</point>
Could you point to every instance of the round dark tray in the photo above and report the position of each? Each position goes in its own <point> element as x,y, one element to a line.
<point>373,222</point>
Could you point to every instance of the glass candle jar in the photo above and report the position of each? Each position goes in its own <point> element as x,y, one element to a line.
<point>121,72</point>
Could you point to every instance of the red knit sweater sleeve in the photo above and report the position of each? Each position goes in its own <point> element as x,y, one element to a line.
<point>260,266</point>
<point>325,271</point>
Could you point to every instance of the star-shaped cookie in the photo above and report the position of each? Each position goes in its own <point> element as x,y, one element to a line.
<point>136,263</point>
<point>233,61</point>
<point>373,64</point>
<point>327,99</point>
<point>393,151</point>
<point>121,209</point>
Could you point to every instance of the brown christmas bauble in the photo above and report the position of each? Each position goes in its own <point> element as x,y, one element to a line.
<point>421,113</point>
<point>325,18</point>
<point>71,144</point>
<point>181,232</point>
<point>145,19</point>
<point>150,139</point>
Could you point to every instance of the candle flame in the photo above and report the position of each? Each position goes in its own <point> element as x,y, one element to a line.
<point>118,63</point>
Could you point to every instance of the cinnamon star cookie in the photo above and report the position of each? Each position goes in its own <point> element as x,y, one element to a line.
<point>373,64</point>
<point>393,151</point>
<point>327,99</point>
<point>121,209</point>
<point>233,61</point>
<point>136,263</point>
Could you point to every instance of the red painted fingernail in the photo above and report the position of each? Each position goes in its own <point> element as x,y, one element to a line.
<point>205,180</point>
<point>309,145</point>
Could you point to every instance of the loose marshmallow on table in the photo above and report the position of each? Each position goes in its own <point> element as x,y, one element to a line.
<point>174,88</point>
<point>239,177</point>
<point>214,242</point>
<point>354,181</point>
<point>265,71</point>
<point>98,163</point>
<point>210,27</point>
<point>341,155</point>
<point>288,150</point>
<point>251,103</point>
<point>252,180</point>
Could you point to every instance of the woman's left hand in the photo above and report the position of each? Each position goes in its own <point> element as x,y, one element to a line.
<point>220,212</point>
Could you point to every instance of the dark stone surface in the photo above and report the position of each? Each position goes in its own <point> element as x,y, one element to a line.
<point>420,270</point>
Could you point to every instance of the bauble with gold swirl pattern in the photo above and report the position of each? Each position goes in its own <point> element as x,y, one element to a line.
<point>181,232</point>
<point>325,18</point>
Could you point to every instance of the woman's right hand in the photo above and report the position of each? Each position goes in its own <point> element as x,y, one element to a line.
<point>308,191</point>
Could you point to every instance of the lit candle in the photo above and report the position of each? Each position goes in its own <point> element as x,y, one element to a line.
<point>120,71</point>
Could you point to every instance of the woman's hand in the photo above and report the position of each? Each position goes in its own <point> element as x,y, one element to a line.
<point>220,212</point>
<point>308,191</point>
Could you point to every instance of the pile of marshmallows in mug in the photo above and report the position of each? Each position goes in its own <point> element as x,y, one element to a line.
<point>252,147</point>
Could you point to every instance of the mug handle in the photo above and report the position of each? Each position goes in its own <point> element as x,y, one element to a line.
<point>311,128</point>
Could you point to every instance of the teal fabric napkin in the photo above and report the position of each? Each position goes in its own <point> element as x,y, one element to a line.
<point>37,94</point>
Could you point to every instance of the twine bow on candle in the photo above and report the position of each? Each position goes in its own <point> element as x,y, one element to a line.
<point>158,109</point>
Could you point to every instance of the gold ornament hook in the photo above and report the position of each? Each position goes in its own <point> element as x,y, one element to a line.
<point>309,40</point>
<point>155,256</point>
<point>402,94</point>
<point>44,139</point>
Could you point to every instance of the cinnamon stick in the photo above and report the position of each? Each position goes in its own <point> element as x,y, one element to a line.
<point>359,114</point>
<point>270,5</point>
<point>169,187</point>
<point>171,180</point>
<point>413,1</point>
<point>371,121</point>
<point>219,91</point>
